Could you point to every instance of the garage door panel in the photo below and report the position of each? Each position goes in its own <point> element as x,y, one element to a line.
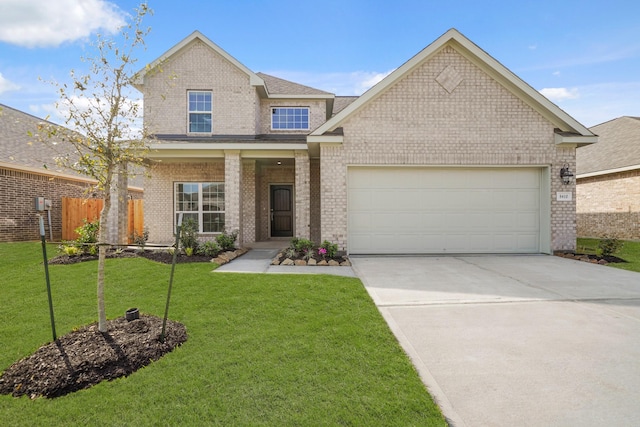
<point>432,221</point>
<point>362,198</point>
<point>361,222</point>
<point>527,199</point>
<point>443,210</point>
<point>479,221</point>
<point>527,221</point>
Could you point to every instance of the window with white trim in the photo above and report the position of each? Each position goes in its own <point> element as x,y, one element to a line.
<point>200,111</point>
<point>202,201</point>
<point>290,118</point>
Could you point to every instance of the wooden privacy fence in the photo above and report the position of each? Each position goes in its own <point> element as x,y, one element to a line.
<point>75,211</point>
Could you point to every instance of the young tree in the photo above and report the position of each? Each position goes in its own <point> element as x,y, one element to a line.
<point>104,120</point>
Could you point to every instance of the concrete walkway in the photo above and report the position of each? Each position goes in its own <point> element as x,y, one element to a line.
<point>258,260</point>
<point>516,340</point>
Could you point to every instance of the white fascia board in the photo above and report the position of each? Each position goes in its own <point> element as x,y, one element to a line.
<point>203,156</point>
<point>577,140</point>
<point>243,146</point>
<point>316,96</point>
<point>316,139</point>
<point>202,151</point>
<point>608,171</point>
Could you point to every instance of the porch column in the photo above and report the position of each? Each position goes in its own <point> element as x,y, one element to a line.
<point>302,194</point>
<point>117,226</point>
<point>232,198</point>
<point>248,202</point>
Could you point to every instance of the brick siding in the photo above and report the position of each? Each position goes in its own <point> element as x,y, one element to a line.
<point>418,122</point>
<point>302,195</point>
<point>18,220</point>
<point>198,67</point>
<point>314,207</point>
<point>609,205</point>
<point>159,197</point>
<point>248,195</point>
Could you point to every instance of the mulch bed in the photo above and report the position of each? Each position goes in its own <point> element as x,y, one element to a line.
<point>594,259</point>
<point>85,357</point>
<point>156,255</point>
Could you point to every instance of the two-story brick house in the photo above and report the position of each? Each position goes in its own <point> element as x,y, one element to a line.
<point>450,153</point>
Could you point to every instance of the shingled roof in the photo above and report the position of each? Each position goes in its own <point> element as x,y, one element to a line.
<point>280,86</point>
<point>618,147</point>
<point>342,102</point>
<point>20,149</point>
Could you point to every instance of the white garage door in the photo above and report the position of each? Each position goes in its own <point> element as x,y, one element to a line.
<point>411,210</point>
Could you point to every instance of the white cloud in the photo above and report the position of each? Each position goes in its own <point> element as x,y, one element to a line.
<point>599,103</point>
<point>38,23</point>
<point>6,85</point>
<point>556,94</point>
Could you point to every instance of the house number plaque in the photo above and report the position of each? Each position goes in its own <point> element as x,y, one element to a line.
<point>564,196</point>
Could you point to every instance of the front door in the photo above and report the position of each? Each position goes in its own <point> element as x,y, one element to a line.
<point>282,211</point>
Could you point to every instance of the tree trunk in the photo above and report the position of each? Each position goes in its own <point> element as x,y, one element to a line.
<point>102,314</point>
<point>102,254</point>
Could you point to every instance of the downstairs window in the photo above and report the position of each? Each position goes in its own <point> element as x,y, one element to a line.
<point>202,201</point>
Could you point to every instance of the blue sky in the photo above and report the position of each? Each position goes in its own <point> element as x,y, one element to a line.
<point>584,56</point>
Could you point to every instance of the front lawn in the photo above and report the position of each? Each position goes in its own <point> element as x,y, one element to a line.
<point>262,349</point>
<point>630,252</point>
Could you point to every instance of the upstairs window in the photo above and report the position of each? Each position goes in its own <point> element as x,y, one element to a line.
<point>199,111</point>
<point>295,118</point>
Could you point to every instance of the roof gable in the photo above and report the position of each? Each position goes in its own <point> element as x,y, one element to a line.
<point>484,61</point>
<point>254,79</point>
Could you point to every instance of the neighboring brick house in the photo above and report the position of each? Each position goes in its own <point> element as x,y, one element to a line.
<point>608,181</point>
<point>28,170</point>
<point>450,153</point>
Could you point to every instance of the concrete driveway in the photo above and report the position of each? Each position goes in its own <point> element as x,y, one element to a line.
<point>516,340</point>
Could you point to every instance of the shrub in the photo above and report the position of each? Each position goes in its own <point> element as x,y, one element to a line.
<point>87,237</point>
<point>209,248</point>
<point>189,235</point>
<point>227,241</point>
<point>331,249</point>
<point>609,245</point>
<point>140,239</point>
<point>290,253</point>
<point>301,245</point>
<point>308,254</point>
<point>70,249</point>
<point>88,232</point>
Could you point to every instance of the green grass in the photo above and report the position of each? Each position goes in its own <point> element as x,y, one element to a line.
<point>262,349</point>
<point>630,252</point>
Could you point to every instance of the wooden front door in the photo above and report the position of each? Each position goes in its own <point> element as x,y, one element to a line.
<point>282,211</point>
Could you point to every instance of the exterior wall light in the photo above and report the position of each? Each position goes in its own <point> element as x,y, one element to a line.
<point>566,174</point>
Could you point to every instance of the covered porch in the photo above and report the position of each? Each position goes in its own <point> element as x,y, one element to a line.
<point>270,192</point>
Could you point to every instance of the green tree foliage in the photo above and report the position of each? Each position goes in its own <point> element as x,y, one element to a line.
<point>103,119</point>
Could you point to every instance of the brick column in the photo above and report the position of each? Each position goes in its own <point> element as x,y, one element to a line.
<point>117,226</point>
<point>303,194</point>
<point>248,202</point>
<point>232,179</point>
